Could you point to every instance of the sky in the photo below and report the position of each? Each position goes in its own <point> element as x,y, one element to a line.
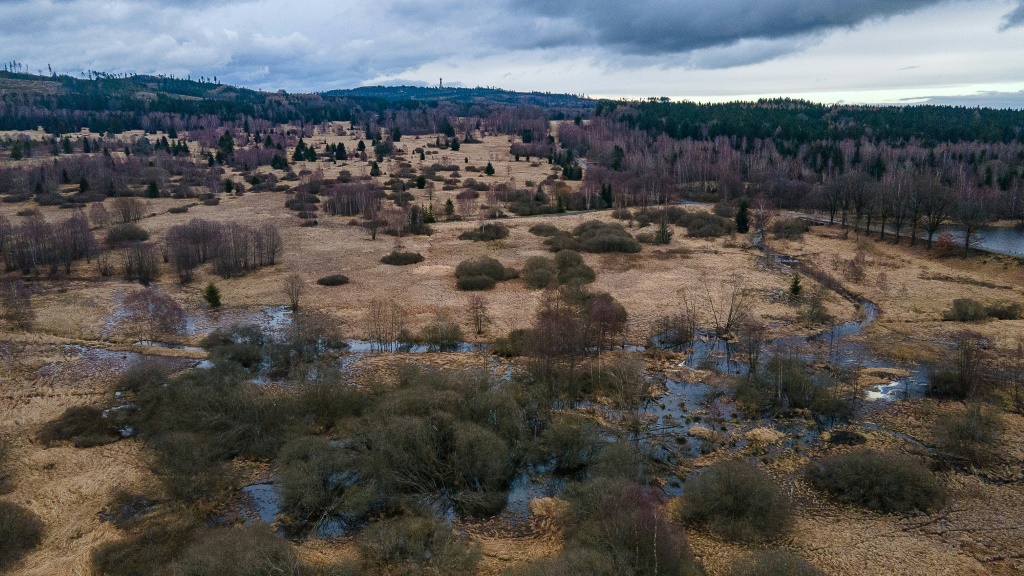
<point>847,51</point>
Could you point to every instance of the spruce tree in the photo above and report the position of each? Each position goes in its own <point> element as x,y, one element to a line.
<point>742,217</point>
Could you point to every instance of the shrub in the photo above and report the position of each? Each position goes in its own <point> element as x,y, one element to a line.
<point>572,441</point>
<point>481,273</point>
<point>442,335</point>
<point>471,283</point>
<point>21,530</point>
<point>571,269</point>
<point>878,480</point>
<point>402,258</point>
<point>141,375</point>
<point>239,551</point>
<point>966,310</point>
<point>145,552</point>
<point>970,310</point>
<point>124,508</point>
<point>177,209</point>
<point>544,230</point>
<point>512,345</point>
<point>419,545</point>
<point>539,272</point>
<point>972,435</point>
<point>486,232</point>
<point>789,228</point>
<point>124,233</point>
<point>333,280</point>
<point>774,563</point>
<point>616,529</point>
<point>597,236</point>
<point>82,426</point>
<point>562,241</point>
<point>318,479</point>
<point>739,502</point>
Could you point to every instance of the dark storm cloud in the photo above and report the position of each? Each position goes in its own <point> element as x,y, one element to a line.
<point>658,27</point>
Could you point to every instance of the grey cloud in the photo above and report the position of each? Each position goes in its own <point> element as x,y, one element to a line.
<point>656,27</point>
<point>1014,100</point>
<point>1014,18</point>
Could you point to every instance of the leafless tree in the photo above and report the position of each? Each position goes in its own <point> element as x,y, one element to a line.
<point>385,323</point>
<point>293,288</point>
<point>478,313</point>
<point>98,215</point>
<point>128,209</point>
<point>140,261</point>
<point>153,316</point>
<point>16,300</point>
<point>729,306</point>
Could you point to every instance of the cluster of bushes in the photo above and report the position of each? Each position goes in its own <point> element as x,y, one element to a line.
<point>698,223</point>
<point>785,383</point>
<point>972,436</point>
<point>566,267</point>
<point>441,335</point>
<point>120,234</point>
<point>879,481</point>
<point>738,501</point>
<point>614,527</point>
<point>486,232</point>
<point>789,228</point>
<point>524,202</point>
<point>970,310</point>
<point>482,273</point>
<point>594,236</point>
<point>396,258</point>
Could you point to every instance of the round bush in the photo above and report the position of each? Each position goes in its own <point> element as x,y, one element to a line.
<point>124,233</point>
<point>774,563</point>
<point>596,236</point>
<point>577,275</point>
<point>402,258</point>
<point>739,502</point>
<point>238,551</point>
<point>486,232</point>
<point>475,283</point>
<point>21,530</point>
<point>544,230</point>
<point>333,280</point>
<point>568,259</point>
<point>878,480</point>
<point>481,265</point>
<point>539,272</point>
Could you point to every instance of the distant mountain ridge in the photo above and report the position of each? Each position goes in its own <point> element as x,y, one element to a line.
<point>466,96</point>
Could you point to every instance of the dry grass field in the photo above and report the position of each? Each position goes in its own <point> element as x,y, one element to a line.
<point>76,350</point>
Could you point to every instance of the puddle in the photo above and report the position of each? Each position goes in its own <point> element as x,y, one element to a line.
<point>261,502</point>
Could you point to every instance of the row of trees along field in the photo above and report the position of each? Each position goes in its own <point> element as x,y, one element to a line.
<point>859,166</point>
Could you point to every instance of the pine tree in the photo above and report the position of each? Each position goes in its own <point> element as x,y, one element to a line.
<point>212,295</point>
<point>742,217</point>
<point>489,169</point>
<point>794,286</point>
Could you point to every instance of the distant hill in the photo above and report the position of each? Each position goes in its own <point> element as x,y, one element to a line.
<point>466,96</point>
